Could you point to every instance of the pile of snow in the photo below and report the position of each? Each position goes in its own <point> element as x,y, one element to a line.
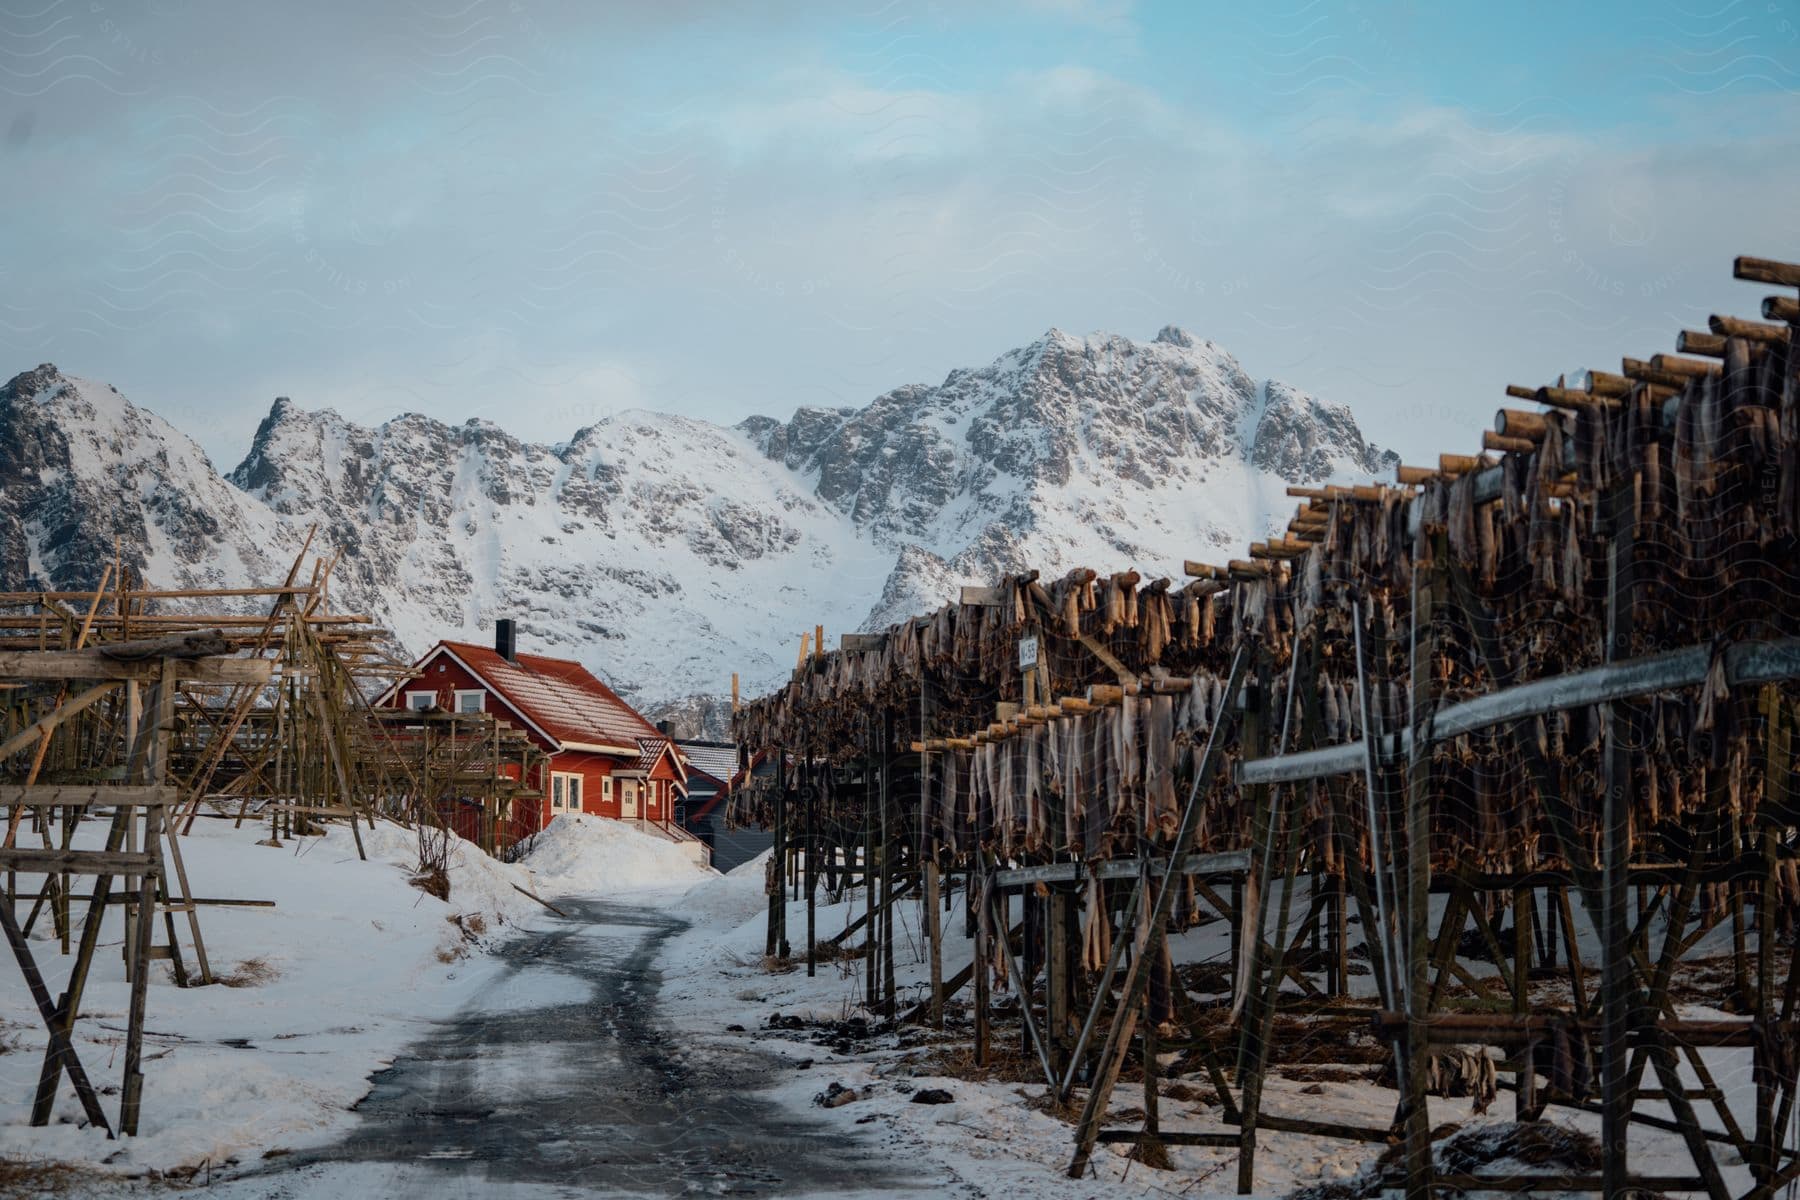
<point>351,965</point>
<point>594,855</point>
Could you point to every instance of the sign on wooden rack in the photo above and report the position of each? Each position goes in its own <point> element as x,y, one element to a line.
<point>1028,653</point>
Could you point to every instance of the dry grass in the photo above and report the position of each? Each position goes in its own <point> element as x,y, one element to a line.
<point>470,925</point>
<point>1006,1063</point>
<point>1068,1112</point>
<point>781,964</point>
<point>1154,1155</point>
<point>24,1178</point>
<point>435,882</point>
<point>252,972</point>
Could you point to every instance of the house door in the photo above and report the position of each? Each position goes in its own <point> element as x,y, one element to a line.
<point>628,798</point>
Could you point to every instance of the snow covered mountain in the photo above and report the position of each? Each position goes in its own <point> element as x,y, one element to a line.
<point>667,552</point>
<point>1096,451</point>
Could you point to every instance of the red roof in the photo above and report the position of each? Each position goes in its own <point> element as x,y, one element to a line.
<point>561,697</point>
<point>652,749</point>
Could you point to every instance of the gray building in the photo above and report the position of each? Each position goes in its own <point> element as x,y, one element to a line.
<point>712,770</point>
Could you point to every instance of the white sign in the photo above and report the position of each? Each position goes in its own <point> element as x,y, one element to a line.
<point>1028,653</point>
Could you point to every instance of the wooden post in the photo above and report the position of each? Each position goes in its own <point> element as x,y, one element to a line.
<point>1058,976</point>
<point>1762,1070</point>
<point>871,942</point>
<point>1417,931</point>
<point>810,839</point>
<point>1251,963</point>
<point>1153,950</point>
<point>1340,929</point>
<point>887,875</point>
<point>776,944</point>
<point>1524,909</point>
<point>1616,983</point>
<point>934,935</point>
<point>983,961</point>
<point>132,1091</point>
<point>937,899</point>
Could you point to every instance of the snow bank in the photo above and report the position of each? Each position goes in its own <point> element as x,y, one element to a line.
<point>351,964</point>
<point>581,853</point>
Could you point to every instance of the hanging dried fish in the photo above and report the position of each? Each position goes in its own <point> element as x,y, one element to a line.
<point>1159,769</point>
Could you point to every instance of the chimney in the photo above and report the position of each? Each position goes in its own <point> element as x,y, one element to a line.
<point>506,639</point>
<point>666,728</point>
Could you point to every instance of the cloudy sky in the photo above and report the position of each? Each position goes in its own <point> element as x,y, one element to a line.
<point>539,212</point>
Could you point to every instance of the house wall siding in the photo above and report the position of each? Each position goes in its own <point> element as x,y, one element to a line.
<point>443,676</point>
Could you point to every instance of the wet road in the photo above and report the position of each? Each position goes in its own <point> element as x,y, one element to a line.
<point>560,1080</point>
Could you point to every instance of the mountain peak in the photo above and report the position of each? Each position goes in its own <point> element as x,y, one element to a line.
<point>35,382</point>
<point>1174,335</point>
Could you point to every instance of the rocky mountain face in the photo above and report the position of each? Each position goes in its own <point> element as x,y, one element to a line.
<point>83,472</point>
<point>667,552</point>
<point>1068,452</point>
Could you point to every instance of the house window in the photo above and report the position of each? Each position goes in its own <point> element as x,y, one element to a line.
<point>565,791</point>
<point>606,792</point>
<point>468,701</point>
<point>421,701</point>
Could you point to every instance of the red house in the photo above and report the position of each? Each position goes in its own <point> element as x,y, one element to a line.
<point>602,756</point>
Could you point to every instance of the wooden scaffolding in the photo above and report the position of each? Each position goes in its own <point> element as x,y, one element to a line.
<point>137,709</point>
<point>1459,736</point>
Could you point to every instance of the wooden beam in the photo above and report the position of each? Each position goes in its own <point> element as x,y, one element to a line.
<point>52,719</point>
<point>1227,862</point>
<point>88,664</point>
<point>1106,656</point>
<point>1515,423</point>
<point>1690,368</point>
<point>1690,341</point>
<point>1506,445</point>
<point>1765,270</point>
<point>1570,398</point>
<point>57,795</point>
<point>80,862</point>
<point>1646,372</point>
<point>1605,383</point>
<point>983,597</point>
<point>1781,308</point>
<point>1755,331</point>
<point>858,642</point>
<point>156,594</point>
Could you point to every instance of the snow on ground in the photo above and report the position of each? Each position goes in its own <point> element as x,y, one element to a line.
<point>321,991</point>
<point>992,1137</point>
<point>353,963</point>
<point>578,853</point>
